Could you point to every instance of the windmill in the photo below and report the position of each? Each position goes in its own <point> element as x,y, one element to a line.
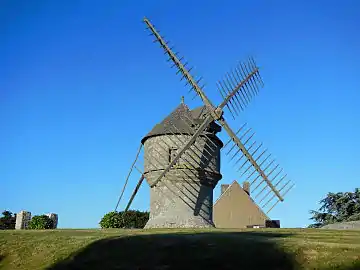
<point>181,157</point>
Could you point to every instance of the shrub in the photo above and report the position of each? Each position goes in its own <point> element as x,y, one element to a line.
<point>7,221</point>
<point>129,219</point>
<point>111,220</point>
<point>42,222</point>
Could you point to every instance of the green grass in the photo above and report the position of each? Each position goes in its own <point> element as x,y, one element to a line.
<point>180,249</point>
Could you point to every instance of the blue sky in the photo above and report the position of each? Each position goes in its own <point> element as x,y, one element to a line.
<point>81,82</point>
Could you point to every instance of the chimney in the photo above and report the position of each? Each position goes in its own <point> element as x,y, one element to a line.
<point>246,187</point>
<point>224,187</point>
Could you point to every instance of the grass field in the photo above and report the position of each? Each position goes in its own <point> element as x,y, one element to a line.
<point>180,249</point>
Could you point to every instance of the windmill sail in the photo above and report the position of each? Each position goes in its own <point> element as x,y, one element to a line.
<point>239,90</point>
<point>183,132</point>
<point>266,177</point>
<point>182,68</point>
<point>240,86</point>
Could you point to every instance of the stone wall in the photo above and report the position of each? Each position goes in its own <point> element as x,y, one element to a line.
<point>54,218</point>
<point>22,220</point>
<point>184,197</point>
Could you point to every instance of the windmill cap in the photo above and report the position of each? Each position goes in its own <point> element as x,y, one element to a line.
<point>176,118</point>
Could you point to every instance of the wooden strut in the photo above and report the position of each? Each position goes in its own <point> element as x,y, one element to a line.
<point>128,176</point>
<point>142,177</point>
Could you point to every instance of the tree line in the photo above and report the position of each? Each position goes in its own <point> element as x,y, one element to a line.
<point>334,208</point>
<point>40,222</point>
<point>132,219</point>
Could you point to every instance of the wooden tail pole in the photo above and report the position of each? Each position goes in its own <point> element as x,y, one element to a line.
<point>135,191</point>
<point>127,178</point>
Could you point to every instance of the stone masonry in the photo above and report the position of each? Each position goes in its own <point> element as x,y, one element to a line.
<point>22,220</point>
<point>54,218</point>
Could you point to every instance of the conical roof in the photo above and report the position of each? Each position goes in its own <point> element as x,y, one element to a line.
<point>182,118</point>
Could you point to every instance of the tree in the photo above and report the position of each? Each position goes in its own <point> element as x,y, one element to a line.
<point>42,222</point>
<point>337,207</point>
<point>7,221</point>
<point>129,219</point>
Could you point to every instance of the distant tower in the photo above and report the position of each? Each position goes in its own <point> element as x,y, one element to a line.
<point>22,220</point>
<point>192,207</point>
<point>54,218</point>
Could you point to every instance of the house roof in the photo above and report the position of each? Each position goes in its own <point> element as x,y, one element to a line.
<point>235,184</point>
<point>183,119</point>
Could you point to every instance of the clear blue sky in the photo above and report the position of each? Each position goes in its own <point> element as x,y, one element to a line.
<point>81,83</point>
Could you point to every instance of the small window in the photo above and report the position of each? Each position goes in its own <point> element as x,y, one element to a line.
<point>172,154</point>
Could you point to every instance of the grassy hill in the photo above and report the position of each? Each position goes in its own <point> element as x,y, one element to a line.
<point>180,249</point>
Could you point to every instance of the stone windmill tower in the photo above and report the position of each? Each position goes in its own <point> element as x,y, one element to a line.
<point>182,153</point>
<point>193,178</point>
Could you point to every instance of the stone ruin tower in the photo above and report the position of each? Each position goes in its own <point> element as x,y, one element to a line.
<point>22,220</point>
<point>54,217</point>
<point>184,196</point>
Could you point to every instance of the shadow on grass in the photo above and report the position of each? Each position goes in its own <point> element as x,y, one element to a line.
<point>240,250</point>
<point>354,266</point>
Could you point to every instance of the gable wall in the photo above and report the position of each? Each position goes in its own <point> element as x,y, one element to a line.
<point>235,209</point>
